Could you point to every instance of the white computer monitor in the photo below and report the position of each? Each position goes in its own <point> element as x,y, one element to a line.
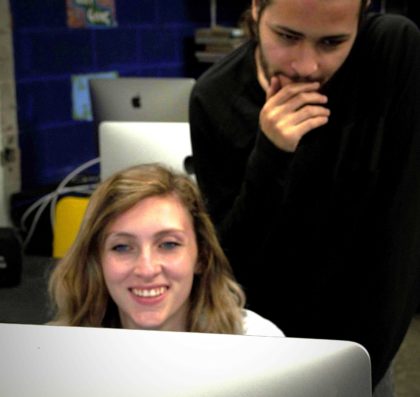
<point>50,361</point>
<point>124,144</point>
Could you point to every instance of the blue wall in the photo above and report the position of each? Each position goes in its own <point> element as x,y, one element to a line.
<point>153,38</point>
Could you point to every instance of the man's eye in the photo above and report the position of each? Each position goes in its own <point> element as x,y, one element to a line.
<point>332,43</point>
<point>287,37</point>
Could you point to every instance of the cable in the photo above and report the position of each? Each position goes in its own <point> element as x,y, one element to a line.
<point>41,204</point>
<point>64,182</point>
<point>51,198</point>
<point>32,208</point>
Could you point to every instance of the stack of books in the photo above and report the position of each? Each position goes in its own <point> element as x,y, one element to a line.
<point>217,41</point>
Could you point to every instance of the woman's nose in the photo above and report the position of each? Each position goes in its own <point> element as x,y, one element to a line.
<point>147,264</point>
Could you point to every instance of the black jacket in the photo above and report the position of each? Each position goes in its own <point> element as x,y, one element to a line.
<point>326,240</point>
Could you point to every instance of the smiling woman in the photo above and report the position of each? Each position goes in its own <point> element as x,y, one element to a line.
<point>147,257</point>
<point>149,261</point>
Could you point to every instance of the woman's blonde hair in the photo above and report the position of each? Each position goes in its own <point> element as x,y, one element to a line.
<point>77,288</point>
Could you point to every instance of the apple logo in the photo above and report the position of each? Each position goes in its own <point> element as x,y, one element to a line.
<point>136,101</point>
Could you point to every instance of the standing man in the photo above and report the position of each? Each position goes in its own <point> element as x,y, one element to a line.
<point>306,145</point>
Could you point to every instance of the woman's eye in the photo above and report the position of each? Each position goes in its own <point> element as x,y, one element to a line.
<point>169,245</point>
<point>121,248</point>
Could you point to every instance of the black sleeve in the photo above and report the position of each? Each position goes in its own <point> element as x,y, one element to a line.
<point>242,185</point>
<point>398,208</point>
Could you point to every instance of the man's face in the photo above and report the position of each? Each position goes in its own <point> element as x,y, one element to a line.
<point>304,40</point>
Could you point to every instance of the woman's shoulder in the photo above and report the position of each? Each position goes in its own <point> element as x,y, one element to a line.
<point>254,324</point>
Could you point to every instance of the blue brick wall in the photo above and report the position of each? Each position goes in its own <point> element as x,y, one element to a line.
<point>153,38</point>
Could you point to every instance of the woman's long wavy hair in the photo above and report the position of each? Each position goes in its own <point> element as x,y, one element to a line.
<point>77,288</point>
<point>250,26</point>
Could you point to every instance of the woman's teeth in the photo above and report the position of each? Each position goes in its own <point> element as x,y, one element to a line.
<point>149,293</point>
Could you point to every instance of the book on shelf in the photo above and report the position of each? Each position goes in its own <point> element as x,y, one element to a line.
<point>217,41</point>
<point>220,31</point>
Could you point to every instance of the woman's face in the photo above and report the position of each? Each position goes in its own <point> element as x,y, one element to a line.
<point>149,260</point>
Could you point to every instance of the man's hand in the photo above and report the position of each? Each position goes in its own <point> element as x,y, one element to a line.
<point>292,111</point>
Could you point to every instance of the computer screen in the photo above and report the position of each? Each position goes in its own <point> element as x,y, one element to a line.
<point>124,144</point>
<point>140,98</point>
<point>47,361</point>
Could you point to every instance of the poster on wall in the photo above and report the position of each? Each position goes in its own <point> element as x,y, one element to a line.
<point>91,14</point>
<point>82,109</point>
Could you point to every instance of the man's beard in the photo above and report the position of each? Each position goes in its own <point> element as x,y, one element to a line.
<point>263,63</point>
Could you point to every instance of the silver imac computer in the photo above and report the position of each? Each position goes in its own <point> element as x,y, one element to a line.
<point>164,99</point>
<point>123,144</point>
<point>140,98</point>
<point>51,361</point>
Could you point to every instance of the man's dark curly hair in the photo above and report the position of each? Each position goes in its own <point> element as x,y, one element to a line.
<point>251,27</point>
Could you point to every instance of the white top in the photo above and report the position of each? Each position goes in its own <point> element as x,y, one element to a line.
<point>254,324</point>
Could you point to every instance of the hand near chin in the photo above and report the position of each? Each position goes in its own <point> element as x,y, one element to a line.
<point>292,111</point>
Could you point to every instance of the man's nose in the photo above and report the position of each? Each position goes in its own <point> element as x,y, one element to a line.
<point>305,63</point>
